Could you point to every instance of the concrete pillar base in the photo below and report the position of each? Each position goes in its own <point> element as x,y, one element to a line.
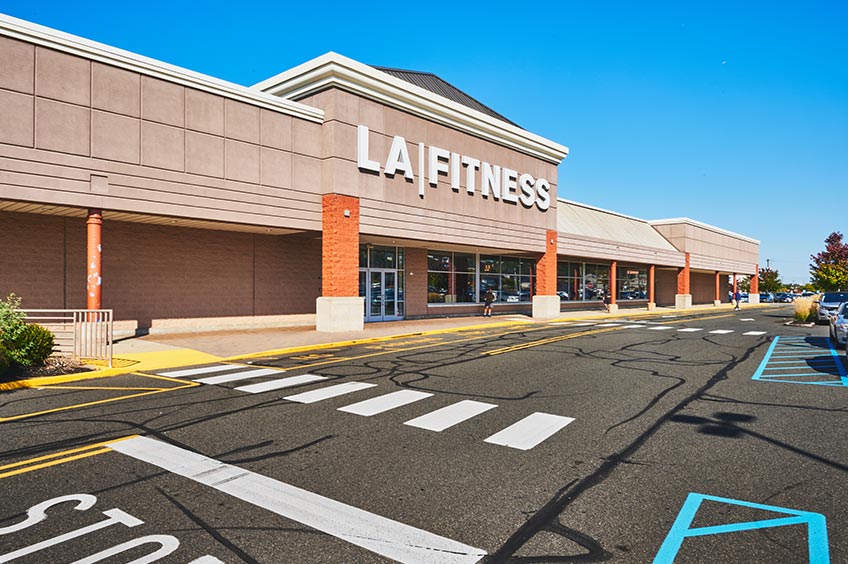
<point>753,298</point>
<point>333,315</point>
<point>652,306</point>
<point>682,301</point>
<point>613,308</point>
<point>716,302</point>
<point>546,307</point>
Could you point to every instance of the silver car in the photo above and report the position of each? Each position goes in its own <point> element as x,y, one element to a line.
<point>839,326</point>
<point>829,303</point>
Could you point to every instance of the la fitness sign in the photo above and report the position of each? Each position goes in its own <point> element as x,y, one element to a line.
<point>496,182</point>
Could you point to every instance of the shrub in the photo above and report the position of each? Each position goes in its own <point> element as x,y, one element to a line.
<point>11,320</point>
<point>5,361</point>
<point>32,346</point>
<point>805,309</point>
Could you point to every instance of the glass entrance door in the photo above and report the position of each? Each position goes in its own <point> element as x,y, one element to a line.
<point>381,295</point>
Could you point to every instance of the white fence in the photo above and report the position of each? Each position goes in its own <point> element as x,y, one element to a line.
<point>82,333</point>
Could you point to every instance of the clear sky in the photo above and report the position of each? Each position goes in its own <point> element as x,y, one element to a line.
<point>733,113</point>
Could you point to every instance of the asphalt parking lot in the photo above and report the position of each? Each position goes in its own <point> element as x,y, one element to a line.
<point>661,439</point>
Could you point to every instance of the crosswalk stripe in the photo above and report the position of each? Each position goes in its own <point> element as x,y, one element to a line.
<point>755,333</point>
<point>722,331</point>
<point>746,319</point>
<point>280,383</point>
<point>329,392</point>
<point>609,324</point>
<point>198,371</point>
<point>582,324</point>
<point>634,326</point>
<point>385,402</point>
<point>530,431</point>
<point>236,376</point>
<point>660,328</point>
<point>689,330</point>
<point>450,415</point>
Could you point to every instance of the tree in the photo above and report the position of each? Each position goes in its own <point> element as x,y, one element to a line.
<point>829,269</point>
<point>744,284</point>
<point>770,280</point>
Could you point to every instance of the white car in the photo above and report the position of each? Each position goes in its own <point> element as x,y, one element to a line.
<point>829,303</point>
<point>839,326</point>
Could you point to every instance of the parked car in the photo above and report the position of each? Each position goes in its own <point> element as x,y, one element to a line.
<point>744,298</point>
<point>784,297</point>
<point>829,302</point>
<point>766,298</point>
<point>839,326</point>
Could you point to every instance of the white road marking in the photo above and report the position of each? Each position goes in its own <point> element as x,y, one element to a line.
<point>451,415</point>
<point>722,331</point>
<point>608,324</point>
<point>746,319</point>
<point>380,535</point>
<point>385,402</point>
<point>634,326</point>
<point>689,330</point>
<point>280,383</point>
<point>530,431</point>
<point>582,324</point>
<point>329,392</point>
<point>755,333</point>
<point>198,371</point>
<point>660,328</point>
<point>236,376</point>
<point>561,323</point>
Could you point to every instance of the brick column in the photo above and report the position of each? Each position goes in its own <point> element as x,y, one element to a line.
<point>94,255</point>
<point>613,285</point>
<point>652,273</point>
<point>754,291</point>
<point>735,287</point>
<point>683,299</point>
<point>546,303</point>
<point>717,288</point>
<point>339,308</point>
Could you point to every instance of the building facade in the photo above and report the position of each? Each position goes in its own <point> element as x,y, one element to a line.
<point>334,193</point>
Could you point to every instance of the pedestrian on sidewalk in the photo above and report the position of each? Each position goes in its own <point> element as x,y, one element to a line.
<point>488,298</point>
<point>737,297</point>
<point>607,300</point>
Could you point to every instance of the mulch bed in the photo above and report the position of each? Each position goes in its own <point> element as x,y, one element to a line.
<point>53,366</point>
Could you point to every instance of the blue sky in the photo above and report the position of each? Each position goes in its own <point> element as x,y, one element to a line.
<point>731,113</point>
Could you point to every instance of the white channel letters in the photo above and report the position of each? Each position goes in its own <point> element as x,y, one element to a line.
<point>164,544</point>
<point>496,182</point>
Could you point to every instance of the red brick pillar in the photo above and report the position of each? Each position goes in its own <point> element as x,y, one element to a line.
<point>735,287</point>
<point>717,287</point>
<point>339,308</point>
<point>546,267</point>
<point>613,281</point>
<point>94,255</point>
<point>652,273</point>
<point>755,280</point>
<point>340,246</point>
<point>683,299</point>
<point>546,304</point>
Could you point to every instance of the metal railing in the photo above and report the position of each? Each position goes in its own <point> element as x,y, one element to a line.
<point>81,333</point>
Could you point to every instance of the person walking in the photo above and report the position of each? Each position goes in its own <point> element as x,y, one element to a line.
<point>607,300</point>
<point>488,298</point>
<point>738,298</point>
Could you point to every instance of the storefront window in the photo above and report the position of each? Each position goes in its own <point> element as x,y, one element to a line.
<point>452,278</point>
<point>632,283</point>
<point>570,281</point>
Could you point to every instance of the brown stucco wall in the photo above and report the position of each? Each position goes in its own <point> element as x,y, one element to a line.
<point>392,207</point>
<point>164,148</point>
<point>712,250</point>
<point>158,272</point>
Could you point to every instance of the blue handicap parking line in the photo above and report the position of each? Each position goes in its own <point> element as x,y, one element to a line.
<point>813,357</point>
<point>817,547</point>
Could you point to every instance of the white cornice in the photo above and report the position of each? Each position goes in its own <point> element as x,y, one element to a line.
<point>334,70</point>
<point>60,41</point>
<point>686,220</point>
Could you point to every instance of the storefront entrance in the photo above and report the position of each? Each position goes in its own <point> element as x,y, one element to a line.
<point>383,296</point>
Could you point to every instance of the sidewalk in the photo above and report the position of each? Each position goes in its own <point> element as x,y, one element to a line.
<point>162,351</point>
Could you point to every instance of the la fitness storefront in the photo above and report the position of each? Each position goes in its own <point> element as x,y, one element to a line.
<point>334,193</point>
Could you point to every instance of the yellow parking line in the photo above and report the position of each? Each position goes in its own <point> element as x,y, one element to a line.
<point>63,456</point>
<point>184,384</point>
<point>548,341</point>
<point>103,388</point>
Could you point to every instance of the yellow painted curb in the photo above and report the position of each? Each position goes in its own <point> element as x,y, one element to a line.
<point>129,363</point>
<point>304,348</point>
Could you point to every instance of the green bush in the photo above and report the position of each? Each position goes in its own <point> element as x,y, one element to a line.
<point>32,346</point>
<point>5,361</point>
<point>11,320</point>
